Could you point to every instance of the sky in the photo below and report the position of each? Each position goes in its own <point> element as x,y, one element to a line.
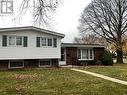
<point>65,18</point>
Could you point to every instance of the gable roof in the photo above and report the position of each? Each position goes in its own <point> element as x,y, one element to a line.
<point>82,45</point>
<point>32,28</point>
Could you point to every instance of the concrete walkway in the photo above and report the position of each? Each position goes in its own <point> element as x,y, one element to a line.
<point>101,76</point>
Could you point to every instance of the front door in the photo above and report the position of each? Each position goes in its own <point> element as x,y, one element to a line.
<point>71,56</point>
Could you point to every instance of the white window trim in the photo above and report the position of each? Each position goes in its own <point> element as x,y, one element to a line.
<point>15,67</point>
<point>15,41</point>
<point>41,41</point>
<point>52,42</point>
<point>88,54</point>
<point>45,65</point>
<point>8,40</point>
<point>46,42</point>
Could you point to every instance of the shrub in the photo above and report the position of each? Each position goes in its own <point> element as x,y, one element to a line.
<point>107,58</point>
<point>92,62</point>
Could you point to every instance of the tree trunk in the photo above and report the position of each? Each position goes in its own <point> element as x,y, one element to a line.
<point>119,47</point>
<point>119,56</point>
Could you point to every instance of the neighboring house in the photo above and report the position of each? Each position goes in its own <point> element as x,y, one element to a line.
<point>27,47</point>
<point>76,53</point>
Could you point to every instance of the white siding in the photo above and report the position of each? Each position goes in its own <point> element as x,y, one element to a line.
<point>31,51</point>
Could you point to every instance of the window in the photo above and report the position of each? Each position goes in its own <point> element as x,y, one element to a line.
<point>45,63</point>
<point>79,53</point>
<point>11,40</point>
<point>91,54</point>
<point>43,40</point>
<point>49,42</point>
<point>15,40</point>
<point>18,40</point>
<point>54,42</point>
<point>85,54</point>
<point>16,64</point>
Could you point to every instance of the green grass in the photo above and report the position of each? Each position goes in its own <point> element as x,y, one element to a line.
<point>118,71</point>
<point>56,82</point>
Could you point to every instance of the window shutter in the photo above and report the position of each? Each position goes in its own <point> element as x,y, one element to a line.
<point>38,41</point>
<point>4,40</point>
<point>25,40</point>
<point>54,42</point>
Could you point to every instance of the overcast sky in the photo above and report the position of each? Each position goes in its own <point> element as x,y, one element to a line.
<point>66,18</point>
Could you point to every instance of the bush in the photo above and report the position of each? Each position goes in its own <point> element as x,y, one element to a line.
<point>107,58</point>
<point>92,62</point>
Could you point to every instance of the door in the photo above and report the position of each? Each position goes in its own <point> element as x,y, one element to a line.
<point>71,56</point>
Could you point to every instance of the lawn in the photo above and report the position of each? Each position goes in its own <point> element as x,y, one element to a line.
<point>56,81</point>
<point>118,71</point>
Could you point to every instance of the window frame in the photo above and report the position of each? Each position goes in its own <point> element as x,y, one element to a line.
<point>88,54</point>
<point>8,40</point>
<point>20,39</point>
<point>91,52</point>
<point>49,41</point>
<point>79,55</point>
<point>55,42</point>
<point>45,42</point>
<point>45,65</point>
<point>15,41</point>
<point>9,64</point>
<point>85,54</point>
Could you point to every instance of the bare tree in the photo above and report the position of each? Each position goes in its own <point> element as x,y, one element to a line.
<point>42,10</point>
<point>90,39</point>
<point>77,40</point>
<point>108,19</point>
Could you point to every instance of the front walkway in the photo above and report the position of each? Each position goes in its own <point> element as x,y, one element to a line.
<point>69,66</point>
<point>101,76</point>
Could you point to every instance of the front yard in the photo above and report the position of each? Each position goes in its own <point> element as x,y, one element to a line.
<point>118,71</point>
<point>60,81</point>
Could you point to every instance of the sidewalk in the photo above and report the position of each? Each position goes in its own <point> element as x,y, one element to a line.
<point>69,66</point>
<point>102,76</point>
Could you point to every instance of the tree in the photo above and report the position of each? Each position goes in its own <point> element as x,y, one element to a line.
<point>41,9</point>
<point>108,19</point>
<point>90,39</point>
<point>124,46</point>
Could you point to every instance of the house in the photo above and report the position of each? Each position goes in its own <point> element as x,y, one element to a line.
<point>77,53</point>
<point>29,47</point>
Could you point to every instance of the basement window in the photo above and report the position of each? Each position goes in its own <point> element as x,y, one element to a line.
<point>45,63</point>
<point>16,64</point>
